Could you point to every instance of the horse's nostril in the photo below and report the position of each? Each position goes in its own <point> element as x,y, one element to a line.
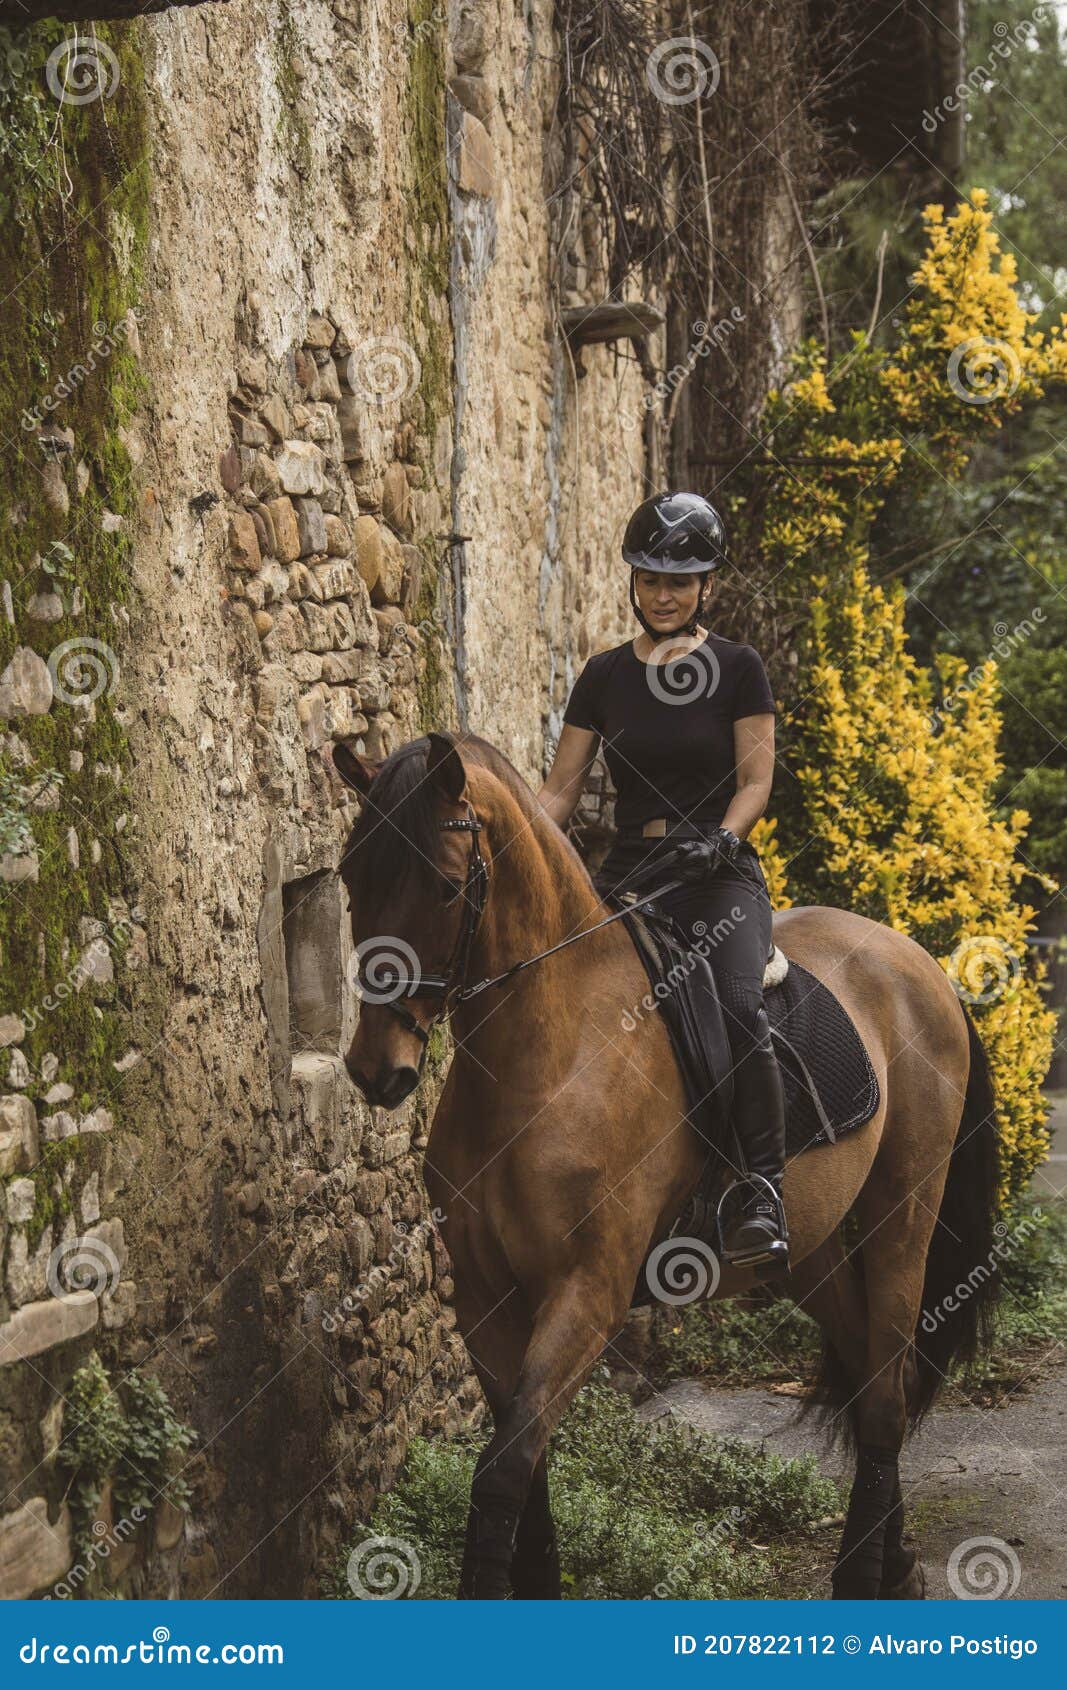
<point>399,1084</point>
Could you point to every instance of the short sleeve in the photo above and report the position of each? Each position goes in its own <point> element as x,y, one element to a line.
<point>752,690</point>
<point>583,706</point>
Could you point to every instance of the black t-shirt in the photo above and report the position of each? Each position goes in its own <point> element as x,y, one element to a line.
<point>668,729</point>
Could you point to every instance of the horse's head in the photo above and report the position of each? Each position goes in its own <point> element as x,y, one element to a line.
<point>414,868</point>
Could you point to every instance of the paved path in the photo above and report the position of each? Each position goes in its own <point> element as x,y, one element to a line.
<point>970,1472</point>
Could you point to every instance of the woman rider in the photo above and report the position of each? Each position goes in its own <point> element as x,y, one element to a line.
<point>687,724</point>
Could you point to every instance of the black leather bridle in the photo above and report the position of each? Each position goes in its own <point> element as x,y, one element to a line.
<point>450,987</point>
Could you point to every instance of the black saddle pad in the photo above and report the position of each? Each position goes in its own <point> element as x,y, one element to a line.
<point>813,1031</point>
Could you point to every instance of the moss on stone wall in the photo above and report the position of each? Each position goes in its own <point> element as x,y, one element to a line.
<point>75,212</point>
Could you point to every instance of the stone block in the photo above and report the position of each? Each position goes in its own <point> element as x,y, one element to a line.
<point>329,626</point>
<point>286,529</point>
<point>302,468</point>
<point>12,1030</point>
<point>350,417</point>
<point>390,583</point>
<point>470,37</point>
<point>99,1120</point>
<point>369,550</point>
<point>25,686</point>
<point>475,94</point>
<point>396,499</point>
<point>21,1198</point>
<point>41,1326</point>
<point>13,870</point>
<point>18,1135</point>
<point>311,524</point>
<point>244,543</point>
<point>475,160</point>
<point>335,579</point>
<point>275,416</point>
<point>34,1552</point>
<point>321,333</point>
<point>338,537</point>
<point>327,387</point>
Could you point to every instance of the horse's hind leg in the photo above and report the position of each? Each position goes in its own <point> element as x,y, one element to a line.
<point>897,1221</point>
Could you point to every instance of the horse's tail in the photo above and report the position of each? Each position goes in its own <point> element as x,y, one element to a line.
<point>961,1268</point>
<point>961,1279</point>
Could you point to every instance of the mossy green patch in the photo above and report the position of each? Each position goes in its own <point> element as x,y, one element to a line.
<point>76,204</point>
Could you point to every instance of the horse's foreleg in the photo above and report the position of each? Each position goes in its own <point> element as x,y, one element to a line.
<point>569,1332</point>
<point>535,1567</point>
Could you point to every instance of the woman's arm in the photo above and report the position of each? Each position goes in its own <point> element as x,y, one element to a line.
<point>567,777</point>
<point>754,757</point>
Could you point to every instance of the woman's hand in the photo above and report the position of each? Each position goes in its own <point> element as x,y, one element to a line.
<point>566,778</point>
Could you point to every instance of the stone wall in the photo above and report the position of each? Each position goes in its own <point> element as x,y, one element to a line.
<point>368,490</point>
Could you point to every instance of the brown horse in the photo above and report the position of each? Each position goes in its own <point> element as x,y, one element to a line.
<point>559,1152</point>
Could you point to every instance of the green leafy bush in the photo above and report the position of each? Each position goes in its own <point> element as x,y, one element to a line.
<point>642,1508</point>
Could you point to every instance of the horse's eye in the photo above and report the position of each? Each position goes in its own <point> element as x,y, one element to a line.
<point>451,890</point>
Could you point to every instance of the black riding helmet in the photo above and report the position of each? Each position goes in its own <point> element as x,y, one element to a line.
<point>673,534</point>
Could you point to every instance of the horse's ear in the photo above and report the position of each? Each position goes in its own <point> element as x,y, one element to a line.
<point>444,766</point>
<point>356,771</point>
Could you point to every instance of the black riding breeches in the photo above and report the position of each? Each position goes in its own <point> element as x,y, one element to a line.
<point>729,912</point>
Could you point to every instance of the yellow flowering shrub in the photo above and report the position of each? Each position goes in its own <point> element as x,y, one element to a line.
<point>891,812</point>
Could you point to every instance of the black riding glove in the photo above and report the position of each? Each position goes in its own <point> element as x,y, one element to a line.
<point>693,859</point>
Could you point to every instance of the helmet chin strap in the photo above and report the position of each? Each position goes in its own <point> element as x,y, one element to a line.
<point>656,634</point>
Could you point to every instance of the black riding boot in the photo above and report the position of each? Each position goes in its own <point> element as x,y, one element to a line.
<point>753,1228</point>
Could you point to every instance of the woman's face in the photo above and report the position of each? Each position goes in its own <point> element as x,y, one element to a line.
<point>667,601</point>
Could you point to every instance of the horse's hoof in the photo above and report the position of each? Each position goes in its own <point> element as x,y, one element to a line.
<point>905,1580</point>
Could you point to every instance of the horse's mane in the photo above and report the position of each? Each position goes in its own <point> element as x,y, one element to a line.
<point>397,828</point>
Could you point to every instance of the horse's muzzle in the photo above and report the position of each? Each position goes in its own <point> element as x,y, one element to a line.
<point>388,1088</point>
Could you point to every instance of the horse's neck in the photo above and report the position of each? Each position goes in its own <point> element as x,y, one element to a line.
<point>539,896</point>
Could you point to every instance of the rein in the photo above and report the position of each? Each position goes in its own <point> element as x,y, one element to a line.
<point>451,987</point>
